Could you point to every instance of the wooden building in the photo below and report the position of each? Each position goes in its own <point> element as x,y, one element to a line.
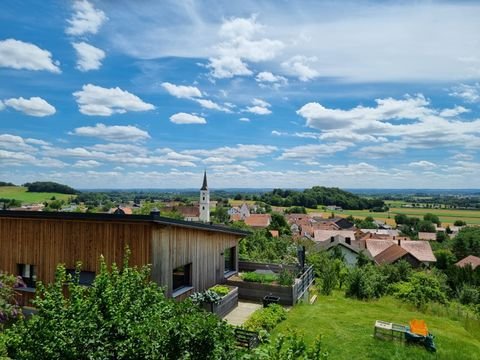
<point>184,256</point>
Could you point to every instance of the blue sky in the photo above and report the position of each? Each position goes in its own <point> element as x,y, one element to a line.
<point>132,94</point>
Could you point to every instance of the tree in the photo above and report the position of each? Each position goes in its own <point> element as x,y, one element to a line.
<point>123,315</point>
<point>426,226</point>
<point>459,223</point>
<point>432,218</point>
<point>221,215</point>
<point>9,309</point>
<point>445,259</point>
<point>467,242</point>
<point>401,219</point>
<point>441,236</point>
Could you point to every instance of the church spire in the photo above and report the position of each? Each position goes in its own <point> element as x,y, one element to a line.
<point>204,186</point>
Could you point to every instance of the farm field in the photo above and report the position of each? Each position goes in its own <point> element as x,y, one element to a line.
<point>447,216</point>
<point>20,193</point>
<point>346,327</point>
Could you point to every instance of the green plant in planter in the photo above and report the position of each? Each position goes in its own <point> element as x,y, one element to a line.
<point>286,277</point>
<point>221,290</point>
<point>208,296</point>
<point>260,278</point>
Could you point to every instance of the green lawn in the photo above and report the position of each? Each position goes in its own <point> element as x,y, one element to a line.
<point>20,193</point>
<point>346,326</point>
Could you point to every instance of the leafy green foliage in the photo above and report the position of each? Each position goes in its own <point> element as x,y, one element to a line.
<point>279,223</point>
<point>432,218</point>
<point>296,210</point>
<point>445,259</point>
<point>289,347</point>
<point>208,296</point>
<point>261,246</point>
<point>259,278</point>
<point>123,315</point>
<point>319,195</point>
<point>425,226</point>
<point>459,223</point>
<point>286,277</point>
<point>9,309</point>
<point>266,318</point>
<point>220,290</point>
<point>330,270</point>
<point>420,289</point>
<point>366,282</point>
<point>467,242</point>
<point>49,186</point>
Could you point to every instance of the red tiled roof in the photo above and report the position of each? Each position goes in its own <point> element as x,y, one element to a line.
<point>427,236</point>
<point>474,261</point>
<point>235,217</point>
<point>375,246</point>
<point>274,233</point>
<point>419,249</point>
<point>324,235</point>
<point>189,211</point>
<point>390,254</point>
<point>258,220</point>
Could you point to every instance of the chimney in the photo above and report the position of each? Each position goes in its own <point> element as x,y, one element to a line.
<point>155,212</point>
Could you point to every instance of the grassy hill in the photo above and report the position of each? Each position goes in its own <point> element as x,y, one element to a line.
<point>20,193</point>
<point>346,327</point>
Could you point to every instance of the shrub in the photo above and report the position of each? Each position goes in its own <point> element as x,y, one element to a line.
<point>366,282</point>
<point>123,315</point>
<point>260,278</point>
<point>420,289</point>
<point>266,318</point>
<point>469,295</point>
<point>288,347</point>
<point>9,310</point>
<point>221,290</point>
<point>286,277</point>
<point>208,296</point>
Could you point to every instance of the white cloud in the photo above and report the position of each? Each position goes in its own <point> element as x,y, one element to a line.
<point>184,118</point>
<point>96,100</point>
<point>86,164</point>
<point>112,133</point>
<point>86,19</point>
<point>2,106</point>
<point>182,91</point>
<point>462,156</point>
<point>457,110</point>
<point>89,57</point>
<point>423,164</point>
<point>307,153</point>
<point>241,44</point>
<point>37,142</point>
<point>19,55</point>
<point>469,93</point>
<point>244,119</point>
<point>35,106</point>
<point>260,107</point>
<point>266,78</point>
<point>209,104</point>
<point>239,151</point>
<point>9,142</point>
<point>300,66</point>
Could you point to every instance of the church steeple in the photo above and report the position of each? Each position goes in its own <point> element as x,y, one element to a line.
<point>204,203</point>
<point>204,186</point>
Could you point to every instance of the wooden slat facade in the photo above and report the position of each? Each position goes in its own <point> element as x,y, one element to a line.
<point>47,242</point>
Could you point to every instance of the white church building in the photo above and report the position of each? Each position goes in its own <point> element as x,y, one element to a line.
<point>204,203</point>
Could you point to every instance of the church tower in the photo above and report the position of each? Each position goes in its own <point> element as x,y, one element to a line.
<point>204,200</point>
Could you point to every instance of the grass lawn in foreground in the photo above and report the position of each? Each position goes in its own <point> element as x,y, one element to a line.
<point>346,326</point>
<point>20,193</point>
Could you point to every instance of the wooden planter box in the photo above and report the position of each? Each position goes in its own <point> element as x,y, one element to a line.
<point>256,291</point>
<point>226,304</point>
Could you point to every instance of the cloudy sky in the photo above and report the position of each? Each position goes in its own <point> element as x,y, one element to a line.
<point>148,94</point>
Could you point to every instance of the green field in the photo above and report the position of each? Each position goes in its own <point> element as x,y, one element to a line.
<point>20,193</point>
<point>346,327</point>
<point>447,216</point>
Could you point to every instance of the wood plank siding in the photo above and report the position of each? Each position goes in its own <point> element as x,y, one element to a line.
<point>47,240</point>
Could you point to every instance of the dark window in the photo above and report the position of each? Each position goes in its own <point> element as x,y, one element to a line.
<point>229,257</point>
<point>332,239</point>
<point>204,198</point>
<point>348,240</point>
<point>182,277</point>
<point>203,207</point>
<point>86,277</point>
<point>28,273</point>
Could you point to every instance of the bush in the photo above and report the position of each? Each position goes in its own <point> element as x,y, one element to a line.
<point>9,309</point>
<point>469,295</point>
<point>289,347</point>
<point>286,277</point>
<point>123,315</point>
<point>266,318</point>
<point>260,278</point>
<point>420,289</point>
<point>208,296</point>
<point>366,282</point>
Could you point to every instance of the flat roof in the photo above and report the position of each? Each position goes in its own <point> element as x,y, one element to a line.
<point>121,217</point>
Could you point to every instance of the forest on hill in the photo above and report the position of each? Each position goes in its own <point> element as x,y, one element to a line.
<point>320,195</point>
<point>50,187</point>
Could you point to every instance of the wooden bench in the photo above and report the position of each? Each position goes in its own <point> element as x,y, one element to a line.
<point>246,338</point>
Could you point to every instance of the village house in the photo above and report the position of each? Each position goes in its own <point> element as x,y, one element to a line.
<point>428,236</point>
<point>471,260</point>
<point>258,221</point>
<point>185,256</point>
<point>420,252</point>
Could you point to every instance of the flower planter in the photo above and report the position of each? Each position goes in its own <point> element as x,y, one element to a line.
<point>225,305</point>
